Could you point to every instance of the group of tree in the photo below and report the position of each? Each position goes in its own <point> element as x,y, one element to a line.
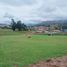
<point>18,25</point>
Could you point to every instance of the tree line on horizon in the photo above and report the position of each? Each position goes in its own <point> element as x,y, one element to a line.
<point>18,25</point>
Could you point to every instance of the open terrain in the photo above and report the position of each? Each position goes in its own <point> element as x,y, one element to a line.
<point>17,49</point>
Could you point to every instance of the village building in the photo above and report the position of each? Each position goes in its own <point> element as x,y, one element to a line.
<point>41,29</point>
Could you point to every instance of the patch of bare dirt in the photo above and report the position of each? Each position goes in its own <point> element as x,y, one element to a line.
<point>53,62</point>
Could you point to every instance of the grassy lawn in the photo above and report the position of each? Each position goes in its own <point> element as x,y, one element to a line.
<point>16,48</point>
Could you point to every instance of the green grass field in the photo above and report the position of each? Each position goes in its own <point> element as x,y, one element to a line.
<point>16,48</point>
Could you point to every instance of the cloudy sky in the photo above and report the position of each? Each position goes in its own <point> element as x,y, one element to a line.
<point>34,9</point>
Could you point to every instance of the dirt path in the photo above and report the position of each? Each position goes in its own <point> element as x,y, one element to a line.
<point>53,62</point>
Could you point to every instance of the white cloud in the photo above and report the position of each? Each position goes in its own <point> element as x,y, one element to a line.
<point>34,9</point>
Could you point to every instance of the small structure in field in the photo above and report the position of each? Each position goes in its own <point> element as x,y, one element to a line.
<point>29,36</point>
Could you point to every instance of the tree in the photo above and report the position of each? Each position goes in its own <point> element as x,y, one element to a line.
<point>24,27</point>
<point>19,25</point>
<point>13,25</point>
<point>51,29</point>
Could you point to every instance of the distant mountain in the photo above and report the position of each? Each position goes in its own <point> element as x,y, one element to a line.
<point>47,23</point>
<point>7,20</point>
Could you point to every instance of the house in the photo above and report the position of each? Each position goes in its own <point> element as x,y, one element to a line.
<point>41,29</point>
